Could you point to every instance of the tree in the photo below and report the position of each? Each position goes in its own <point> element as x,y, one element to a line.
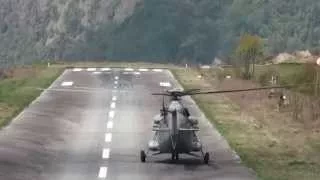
<point>249,49</point>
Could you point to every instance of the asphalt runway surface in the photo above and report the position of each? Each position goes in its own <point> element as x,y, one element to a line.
<point>92,123</point>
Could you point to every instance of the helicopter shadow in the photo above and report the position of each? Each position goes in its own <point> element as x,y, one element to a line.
<point>188,163</point>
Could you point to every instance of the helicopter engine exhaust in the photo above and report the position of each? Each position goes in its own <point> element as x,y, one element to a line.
<point>154,145</point>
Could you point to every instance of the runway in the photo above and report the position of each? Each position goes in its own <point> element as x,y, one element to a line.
<point>91,123</point>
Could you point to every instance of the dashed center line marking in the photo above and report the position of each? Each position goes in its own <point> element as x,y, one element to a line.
<point>108,137</point>
<point>110,125</point>
<point>105,153</point>
<point>113,105</point>
<point>103,172</point>
<point>116,82</point>
<point>137,73</point>
<point>115,87</point>
<point>97,72</point>
<point>116,78</point>
<point>111,114</point>
<point>114,98</point>
<point>67,83</point>
<point>77,70</point>
<point>91,69</point>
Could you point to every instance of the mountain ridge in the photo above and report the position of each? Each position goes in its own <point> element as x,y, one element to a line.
<point>164,31</point>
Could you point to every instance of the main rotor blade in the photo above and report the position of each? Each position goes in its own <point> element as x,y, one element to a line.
<point>160,94</point>
<point>242,90</point>
<point>191,90</point>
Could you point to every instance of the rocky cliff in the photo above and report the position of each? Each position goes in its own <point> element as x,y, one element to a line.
<point>37,29</point>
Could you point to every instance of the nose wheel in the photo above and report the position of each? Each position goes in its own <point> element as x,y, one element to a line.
<point>206,158</point>
<point>143,156</point>
<point>174,156</point>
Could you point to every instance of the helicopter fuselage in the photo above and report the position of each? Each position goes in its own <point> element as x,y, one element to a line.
<point>175,131</point>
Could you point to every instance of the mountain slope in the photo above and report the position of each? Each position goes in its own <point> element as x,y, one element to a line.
<point>152,30</point>
<point>34,29</point>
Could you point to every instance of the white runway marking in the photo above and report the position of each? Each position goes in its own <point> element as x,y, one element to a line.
<point>77,70</point>
<point>157,70</point>
<point>165,84</point>
<point>108,137</point>
<point>103,172</point>
<point>105,69</point>
<point>137,73</point>
<point>113,105</point>
<point>116,78</point>
<point>116,82</point>
<point>125,72</point>
<point>110,125</point>
<point>114,98</point>
<point>91,69</point>
<point>129,69</point>
<point>111,114</point>
<point>143,70</point>
<point>67,83</point>
<point>105,153</point>
<point>115,87</point>
<point>97,72</point>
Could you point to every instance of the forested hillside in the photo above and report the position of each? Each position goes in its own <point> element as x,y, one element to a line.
<point>152,30</point>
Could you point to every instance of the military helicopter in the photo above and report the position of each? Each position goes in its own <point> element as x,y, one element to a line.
<point>176,130</point>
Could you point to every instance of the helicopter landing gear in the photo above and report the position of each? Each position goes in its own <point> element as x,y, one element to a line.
<point>143,156</point>
<point>206,158</point>
<point>174,156</point>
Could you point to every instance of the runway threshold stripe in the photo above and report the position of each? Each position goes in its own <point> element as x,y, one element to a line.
<point>105,153</point>
<point>91,69</point>
<point>157,70</point>
<point>165,84</point>
<point>77,70</point>
<point>105,69</point>
<point>103,172</point>
<point>143,70</point>
<point>108,137</point>
<point>67,83</point>
<point>129,69</point>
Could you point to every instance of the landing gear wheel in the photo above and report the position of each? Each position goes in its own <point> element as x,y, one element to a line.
<point>206,158</point>
<point>143,156</point>
<point>177,156</point>
<point>173,157</point>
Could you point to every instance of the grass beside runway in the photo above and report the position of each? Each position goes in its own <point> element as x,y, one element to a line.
<point>274,149</point>
<point>15,88</point>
